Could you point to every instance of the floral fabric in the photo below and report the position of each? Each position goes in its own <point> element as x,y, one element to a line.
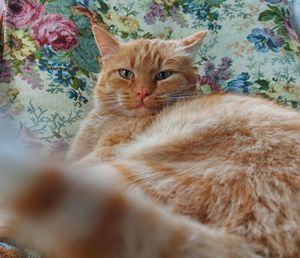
<point>49,60</point>
<point>49,64</point>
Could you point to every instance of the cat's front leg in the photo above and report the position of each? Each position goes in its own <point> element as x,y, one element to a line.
<point>90,213</point>
<point>86,138</point>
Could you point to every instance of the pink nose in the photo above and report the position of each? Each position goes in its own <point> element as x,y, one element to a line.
<point>143,93</point>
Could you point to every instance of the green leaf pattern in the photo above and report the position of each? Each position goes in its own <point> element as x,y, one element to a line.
<point>250,48</point>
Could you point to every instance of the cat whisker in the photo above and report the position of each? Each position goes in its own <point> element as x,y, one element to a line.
<point>179,96</point>
<point>100,117</point>
<point>108,97</point>
<point>110,102</point>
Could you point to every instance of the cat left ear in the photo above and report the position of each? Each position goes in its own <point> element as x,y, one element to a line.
<point>106,43</point>
<point>191,43</point>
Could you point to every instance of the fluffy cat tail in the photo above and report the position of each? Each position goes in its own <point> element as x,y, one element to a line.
<point>76,213</point>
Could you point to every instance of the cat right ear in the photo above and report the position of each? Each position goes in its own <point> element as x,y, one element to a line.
<point>106,43</point>
<point>191,43</point>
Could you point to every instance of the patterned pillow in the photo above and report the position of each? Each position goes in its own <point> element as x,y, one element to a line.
<point>49,63</point>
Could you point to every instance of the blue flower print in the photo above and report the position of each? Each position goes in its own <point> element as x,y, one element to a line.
<point>70,67</point>
<point>63,72</point>
<point>83,2</point>
<point>265,40</point>
<point>82,84</point>
<point>72,94</point>
<point>199,9</point>
<point>240,84</point>
<point>274,1</point>
<point>62,76</point>
<point>83,99</point>
<point>48,52</point>
<point>47,65</point>
<point>202,12</point>
<point>212,26</point>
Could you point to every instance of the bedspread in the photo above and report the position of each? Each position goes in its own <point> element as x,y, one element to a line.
<point>49,60</point>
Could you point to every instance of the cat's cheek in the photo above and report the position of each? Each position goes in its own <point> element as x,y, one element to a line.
<point>128,102</point>
<point>103,90</point>
<point>117,84</point>
<point>174,83</point>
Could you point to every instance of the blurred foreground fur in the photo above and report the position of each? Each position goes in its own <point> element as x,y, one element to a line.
<point>157,171</point>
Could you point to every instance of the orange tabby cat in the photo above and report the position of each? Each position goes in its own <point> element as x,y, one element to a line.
<point>160,172</point>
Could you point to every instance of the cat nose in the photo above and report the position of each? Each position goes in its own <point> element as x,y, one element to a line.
<point>143,93</point>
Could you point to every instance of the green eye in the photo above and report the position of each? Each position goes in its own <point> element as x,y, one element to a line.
<point>126,74</point>
<point>163,75</point>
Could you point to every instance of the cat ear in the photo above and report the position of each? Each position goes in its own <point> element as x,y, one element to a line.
<point>192,42</point>
<point>106,43</point>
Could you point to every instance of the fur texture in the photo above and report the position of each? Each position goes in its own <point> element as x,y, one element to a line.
<point>157,171</point>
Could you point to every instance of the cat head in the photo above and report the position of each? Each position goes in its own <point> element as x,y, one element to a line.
<point>142,76</point>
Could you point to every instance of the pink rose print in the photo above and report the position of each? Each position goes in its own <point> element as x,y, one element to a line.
<point>56,31</point>
<point>21,13</point>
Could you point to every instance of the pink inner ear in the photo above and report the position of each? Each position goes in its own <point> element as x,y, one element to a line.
<point>193,40</point>
<point>106,47</point>
<point>105,42</point>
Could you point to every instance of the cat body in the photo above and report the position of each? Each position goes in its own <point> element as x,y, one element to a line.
<point>221,159</point>
<point>157,171</point>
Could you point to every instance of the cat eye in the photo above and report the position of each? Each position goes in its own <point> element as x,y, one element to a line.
<point>163,75</point>
<point>126,74</point>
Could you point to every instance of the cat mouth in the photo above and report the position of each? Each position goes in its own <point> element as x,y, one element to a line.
<point>142,110</point>
<point>145,111</point>
<point>142,105</point>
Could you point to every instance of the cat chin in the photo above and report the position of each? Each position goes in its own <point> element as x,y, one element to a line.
<point>140,112</point>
